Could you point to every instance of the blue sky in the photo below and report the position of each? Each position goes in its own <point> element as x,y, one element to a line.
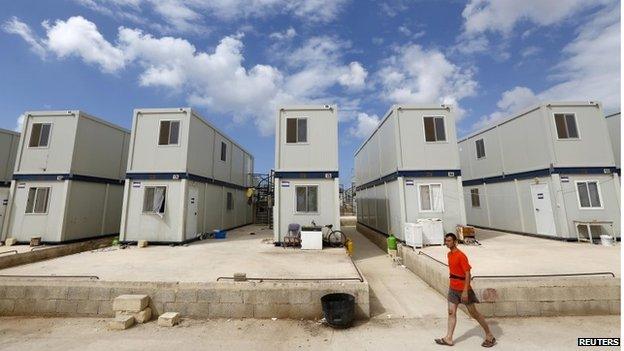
<point>236,61</point>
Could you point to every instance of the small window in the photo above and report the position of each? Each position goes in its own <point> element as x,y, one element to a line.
<point>154,199</point>
<point>434,129</point>
<point>431,199</point>
<point>307,198</point>
<point>296,130</point>
<point>37,201</point>
<point>223,151</point>
<point>566,126</point>
<point>169,133</point>
<point>474,196</point>
<point>588,194</point>
<point>229,202</point>
<point>40,135</point>
<point>480,148</point>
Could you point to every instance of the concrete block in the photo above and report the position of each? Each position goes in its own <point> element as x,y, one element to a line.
<point>272,296</point>
<point>230,310</point>
<point>528,308</point>
<point>87,307</point>
<point>121,323</point>
<point>165,295</point>
<point>198,310</point>
<point>45,307</point>
<point>130,303</point>
<point>169,319</point>
<point>15,292</point>
<point>300,296</point>
<point>142,243</point>
<point>6,306</point>
<point>100,294</point>
<point>105,308</point>
<point>66,307</point>
<point>140,317</point>
<point>272,311</point>
<point>615,307</point>
<point>10,241</point>
<point>24,307</point>
<point>230,296</point>
<point>207,295</point>
<point>599,307</point>
<point>78,293</point>
<point>306,311</point>
<point>180,307</point>
<point>505,309</point>
<point>186,295</point>
<point>549,308</point>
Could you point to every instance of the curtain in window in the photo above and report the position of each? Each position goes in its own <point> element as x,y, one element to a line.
<point>593,194</point>
<point>301,199</point>
<point>159,199</point>
<point>425,198</point>
<point>583,194</point>
<point>312,199</point>
<point>437,200</point>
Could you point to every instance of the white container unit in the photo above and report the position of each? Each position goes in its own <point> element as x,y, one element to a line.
<point>184,178</point>
<point>613,125</point>
<point>413,234</point>
<point>9,141</point>
<point>306,168</point>
<point>68,178</point>
<point>548,170</point>
<point>408,169</point>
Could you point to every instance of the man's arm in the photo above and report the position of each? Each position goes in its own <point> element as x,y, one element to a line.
<point>466,286</point>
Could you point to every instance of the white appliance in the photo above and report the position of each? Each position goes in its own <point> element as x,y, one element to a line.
<point>413,234</point>
<point>312,239</point>
<point>433,231</point>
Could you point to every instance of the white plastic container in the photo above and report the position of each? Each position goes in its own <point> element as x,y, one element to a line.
<point>433,231</point>
<point>311,240</point>
<point>413,234</point>
<point>606,240</point>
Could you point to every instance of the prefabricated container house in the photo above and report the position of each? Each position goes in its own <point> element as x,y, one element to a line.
<point>9,140</point>
<point>306,168</point>
<point>548,170</point>
<point>68,178</point>
<point>184,178</point>
<point>408,170</point>
<point>613,124</point>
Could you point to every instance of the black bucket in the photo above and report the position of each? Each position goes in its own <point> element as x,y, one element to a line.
<point>338,309</point>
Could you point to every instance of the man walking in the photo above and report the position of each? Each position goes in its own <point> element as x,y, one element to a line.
<point>461,292</point>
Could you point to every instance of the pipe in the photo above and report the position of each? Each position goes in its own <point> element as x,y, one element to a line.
<point>433,258</point>
<point>92,277</point>
<point>542,275</point>
<point>3,252</point>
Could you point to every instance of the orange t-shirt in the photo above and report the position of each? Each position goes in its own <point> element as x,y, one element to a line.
<point>458,265</point>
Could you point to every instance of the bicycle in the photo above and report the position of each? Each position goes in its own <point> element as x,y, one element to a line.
<point>333,238</point>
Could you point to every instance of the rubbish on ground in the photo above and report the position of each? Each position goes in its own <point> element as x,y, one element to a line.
<point>169,319</point>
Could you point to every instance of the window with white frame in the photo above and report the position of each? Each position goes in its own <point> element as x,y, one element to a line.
<point>431,199</point>
<point>296,130</point>
<point>37,201</point>
<point>480,145</point>
<point>566,126</point>
<point>588,194</point>
<point>307,198</point>
<point>39,135</point>
<point>434,129</point>
<point>474,196</point>
<point>154,199</point>
<point>169,133</point>
<point>223,151</point>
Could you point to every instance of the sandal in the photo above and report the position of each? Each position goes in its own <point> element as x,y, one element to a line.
<point>489,343</point>
<point>441,341</point>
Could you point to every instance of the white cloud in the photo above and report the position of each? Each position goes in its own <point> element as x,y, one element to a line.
<point>417,75</point>
<point>530,51</point>
<point>19,123</point>
<point>81,38</point>
<point>285,35</point>
<point>189,16</point>
<point>511,101</point>
<point>503,15</point>
<point>355,77</point>
<point>217,80</point>
<point>15,26</point>
<point>363,125</point>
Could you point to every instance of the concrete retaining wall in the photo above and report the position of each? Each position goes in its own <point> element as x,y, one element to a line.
<point>375,237</point>
<point>529,297</point>
<point>48,252</point>
<point>296,300</point>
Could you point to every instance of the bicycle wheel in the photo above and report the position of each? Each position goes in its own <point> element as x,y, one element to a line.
<point>337,239</point>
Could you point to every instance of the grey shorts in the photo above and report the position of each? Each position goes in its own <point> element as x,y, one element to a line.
<point>454,297</point>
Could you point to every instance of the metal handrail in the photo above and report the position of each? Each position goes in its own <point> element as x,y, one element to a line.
<point>13,251</point>
<point>433,258</point>
<point>92,277</point>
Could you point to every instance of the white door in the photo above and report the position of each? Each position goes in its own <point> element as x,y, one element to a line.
<point>191,212</point>
<point>4,199</point>
<point>542,207</point>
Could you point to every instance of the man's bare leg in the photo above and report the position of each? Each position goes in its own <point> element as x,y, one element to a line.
<point>452,321</point>
<point>472,309</point>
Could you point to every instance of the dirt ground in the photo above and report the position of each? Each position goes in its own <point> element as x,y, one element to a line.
<point>90,334</point>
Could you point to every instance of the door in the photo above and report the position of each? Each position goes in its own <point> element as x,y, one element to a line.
<point>542,207</point>
<point>191,212</point>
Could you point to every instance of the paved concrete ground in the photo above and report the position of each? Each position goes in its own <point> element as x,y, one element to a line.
<point>85,334</point>
<point>504,253</point>
<point>395,292</point>
<point>201,261</point>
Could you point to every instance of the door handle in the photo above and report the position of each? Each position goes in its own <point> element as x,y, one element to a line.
<point>537,210</point>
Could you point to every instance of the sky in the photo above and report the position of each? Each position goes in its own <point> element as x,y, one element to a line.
<point>237,61</point>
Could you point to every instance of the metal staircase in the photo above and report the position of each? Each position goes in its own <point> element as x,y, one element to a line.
<point>263,198</point>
